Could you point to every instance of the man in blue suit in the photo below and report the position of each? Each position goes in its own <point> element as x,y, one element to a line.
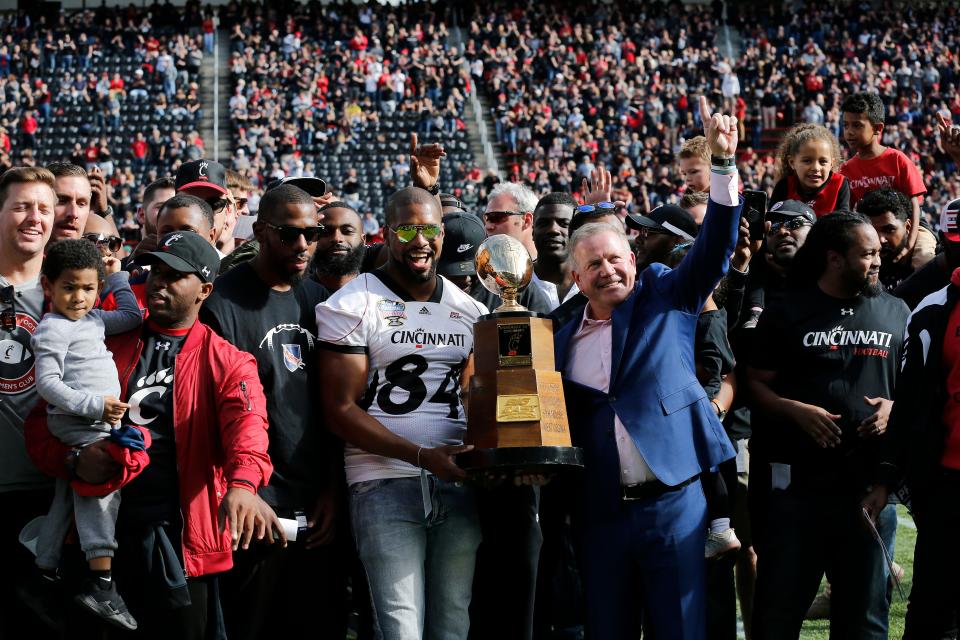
<point>642,418</point>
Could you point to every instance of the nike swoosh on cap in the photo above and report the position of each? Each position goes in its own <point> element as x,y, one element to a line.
<point>464,247</point>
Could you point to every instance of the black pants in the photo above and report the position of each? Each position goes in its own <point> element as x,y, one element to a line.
<point>290,592</point>
<point>156,620</point>
<point>505,581</point>
<point>935,597</point>
<point>19,508</point>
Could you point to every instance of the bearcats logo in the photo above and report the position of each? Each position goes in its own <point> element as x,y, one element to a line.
<point>16,358</point>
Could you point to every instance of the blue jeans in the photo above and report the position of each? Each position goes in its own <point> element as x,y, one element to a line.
<point>420,567</point>
<point>800,534</point>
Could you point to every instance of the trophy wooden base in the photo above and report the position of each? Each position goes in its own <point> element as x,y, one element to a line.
<point>517,418</point>
<point>516,460</point>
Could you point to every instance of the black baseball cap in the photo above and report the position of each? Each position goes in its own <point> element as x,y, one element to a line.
<point>313,186</point>
<point>202,174</point>
<point>792,209</point>
<point>186,252</point>
<point>462,234</point>
<point>668,218</point>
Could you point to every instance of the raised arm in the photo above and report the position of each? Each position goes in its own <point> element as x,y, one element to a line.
<point>127,315</point>
<point>697,274</point>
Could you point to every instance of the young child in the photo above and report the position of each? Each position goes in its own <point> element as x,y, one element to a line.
<point>874,166</point>
<point>694,161</point>
<point>807,163</point>
<point>77,377</point>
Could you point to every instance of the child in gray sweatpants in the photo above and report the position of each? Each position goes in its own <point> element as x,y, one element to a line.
<point>77,377</point>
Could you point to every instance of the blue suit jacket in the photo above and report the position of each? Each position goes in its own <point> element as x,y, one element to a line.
<point>653,383</point>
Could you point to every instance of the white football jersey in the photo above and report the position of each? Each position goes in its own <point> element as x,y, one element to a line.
<point>416,352</point>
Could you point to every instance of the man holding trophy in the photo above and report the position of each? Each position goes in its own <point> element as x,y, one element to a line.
<point>643,421</point>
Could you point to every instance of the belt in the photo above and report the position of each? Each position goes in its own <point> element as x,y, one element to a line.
<point>652,489</point>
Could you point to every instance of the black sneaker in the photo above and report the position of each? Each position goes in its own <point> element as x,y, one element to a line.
<point>106,603</point>
<point>44,595</point>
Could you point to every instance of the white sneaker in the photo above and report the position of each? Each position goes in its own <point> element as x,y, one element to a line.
<point>720,544</point>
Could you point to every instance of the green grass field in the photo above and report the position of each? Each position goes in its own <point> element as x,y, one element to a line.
<point>903,555</point>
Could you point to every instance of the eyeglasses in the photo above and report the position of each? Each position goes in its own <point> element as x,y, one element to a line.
<point>407,232</point>
<point>599,209</point>
<point>99,239</point>
<point>289,234</point>
<point>499,217</point>
<point>791,224</point>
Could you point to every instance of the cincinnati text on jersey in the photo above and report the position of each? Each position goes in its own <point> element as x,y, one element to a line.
<point>420,337</point>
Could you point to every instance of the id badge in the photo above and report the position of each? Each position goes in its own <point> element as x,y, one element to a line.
<point>780,475</point>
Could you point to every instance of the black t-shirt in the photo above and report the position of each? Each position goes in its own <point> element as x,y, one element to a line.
<point>892,275</point>
<point>924,281</point>
<point>154,494</point>
<point>279,329</point>
<point>828,352</point>
<point>714,356</point>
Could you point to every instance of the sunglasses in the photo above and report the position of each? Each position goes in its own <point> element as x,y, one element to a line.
<point>218,205</point>
<point>8,317</point>
<point>791,224</point>
<point>499,217</point>
<point>407,232</point>
<point>99,239</point>
<point>646,232</point>
<point>599,209</point>
<point>453,202</point>
<point>289,234</point>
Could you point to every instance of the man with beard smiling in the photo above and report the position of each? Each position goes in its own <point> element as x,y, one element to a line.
<point>400,343</point>
<point>265,307</point>
<point>889,212</point>
<point>340,248</point>
<point>73,200</point>
<point>822,374</point>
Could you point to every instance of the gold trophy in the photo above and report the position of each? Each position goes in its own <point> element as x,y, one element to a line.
<point>517,419</point>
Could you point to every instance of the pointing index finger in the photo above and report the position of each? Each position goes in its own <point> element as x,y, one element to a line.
<point>705,114</point>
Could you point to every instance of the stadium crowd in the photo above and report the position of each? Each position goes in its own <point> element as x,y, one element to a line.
<point>116,89</point>
<point>339,95</point>
<point>581,87</point>
<point>242,426</point>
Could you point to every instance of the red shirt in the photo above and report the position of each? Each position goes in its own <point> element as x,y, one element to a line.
<point>139,148</point>
<point>890,170</point>
<point>951,366</point>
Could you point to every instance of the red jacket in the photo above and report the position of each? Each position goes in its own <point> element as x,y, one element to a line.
<point>220,428</point>
<point>132,462</point>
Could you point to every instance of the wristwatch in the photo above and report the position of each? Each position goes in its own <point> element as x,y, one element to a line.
<point>717,161</point>
<point>720,412</point>
<point>435,189</point>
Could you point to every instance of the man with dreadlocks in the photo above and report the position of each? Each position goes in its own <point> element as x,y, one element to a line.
<point>822,376</point>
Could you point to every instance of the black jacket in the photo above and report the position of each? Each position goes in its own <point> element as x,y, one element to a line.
<point>916,435</point>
